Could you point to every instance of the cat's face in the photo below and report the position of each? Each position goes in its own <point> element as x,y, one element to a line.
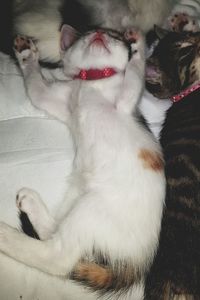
<point>174,64</point>
<point>96,49</point>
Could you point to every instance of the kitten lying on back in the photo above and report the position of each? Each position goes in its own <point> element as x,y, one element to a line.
<point>106,232</point>
<point>173,71</point>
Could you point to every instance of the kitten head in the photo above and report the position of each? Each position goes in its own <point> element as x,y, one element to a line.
<point>174,64</point>
<point>96,49</point>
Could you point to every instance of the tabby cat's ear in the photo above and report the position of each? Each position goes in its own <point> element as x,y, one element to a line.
<point>160,32</point>
<point>67,36</point>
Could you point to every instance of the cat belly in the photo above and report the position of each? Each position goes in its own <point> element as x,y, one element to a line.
<point>122,170</point>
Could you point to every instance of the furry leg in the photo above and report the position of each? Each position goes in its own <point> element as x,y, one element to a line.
<point>41,92</point>
<point>29,201</point>
<point>49,256</point>
<point>134,74</point>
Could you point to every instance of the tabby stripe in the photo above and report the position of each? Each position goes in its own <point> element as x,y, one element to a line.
<point>187,221</point>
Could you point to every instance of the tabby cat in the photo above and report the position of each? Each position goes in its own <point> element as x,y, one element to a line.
<point>173,70</point>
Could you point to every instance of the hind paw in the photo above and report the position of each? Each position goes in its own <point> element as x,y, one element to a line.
<point>183,22</point>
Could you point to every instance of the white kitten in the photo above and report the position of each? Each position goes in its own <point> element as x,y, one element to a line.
<point>106,232</point>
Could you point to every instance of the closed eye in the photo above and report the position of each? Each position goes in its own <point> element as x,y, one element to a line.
<point>186,51</point>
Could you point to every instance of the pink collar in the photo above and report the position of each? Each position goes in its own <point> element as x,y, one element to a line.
<point>94,74</point>
<point>184,93</point>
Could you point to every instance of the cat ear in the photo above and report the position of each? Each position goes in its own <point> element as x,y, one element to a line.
<point>67,36</point>
<point>160,32</point>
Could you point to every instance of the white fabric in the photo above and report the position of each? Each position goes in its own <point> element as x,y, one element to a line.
<point>36,151</point>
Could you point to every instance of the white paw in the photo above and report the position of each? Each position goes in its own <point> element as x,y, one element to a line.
<point>27,200</point>
<point>182,22</point>
<point>25,51</point>
<point>136,39</point>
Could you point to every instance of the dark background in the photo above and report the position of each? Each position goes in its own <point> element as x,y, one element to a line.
<point>6,26</point>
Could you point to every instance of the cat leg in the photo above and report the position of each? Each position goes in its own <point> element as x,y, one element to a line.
<point>54,256</point>
<point>134,74</point>
<point>74,192</point>
<point>43,255</point>
<point>29,202</point>
<point>48,96</point>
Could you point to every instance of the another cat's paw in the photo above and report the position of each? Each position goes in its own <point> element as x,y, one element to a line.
<point>27,201</point>
<point>25,50</point>
<point>183,22</point>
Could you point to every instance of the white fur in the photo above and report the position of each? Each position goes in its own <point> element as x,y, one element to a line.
<point>41,19</point>
<point>113,203</point>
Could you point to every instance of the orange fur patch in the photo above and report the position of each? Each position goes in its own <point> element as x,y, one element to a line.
<point>151,160</point>
<point>94,274</point>
<point>106,278</point>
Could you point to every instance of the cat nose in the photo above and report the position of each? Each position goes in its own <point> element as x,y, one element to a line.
<point>98,36</point>
<point>99,33</point>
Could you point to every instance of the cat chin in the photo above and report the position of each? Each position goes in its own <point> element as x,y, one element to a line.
<point>156,91</point>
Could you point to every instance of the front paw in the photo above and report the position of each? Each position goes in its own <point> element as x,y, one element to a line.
<point>183,22</point>
<point>25,51</point>
<point>136,40</point>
